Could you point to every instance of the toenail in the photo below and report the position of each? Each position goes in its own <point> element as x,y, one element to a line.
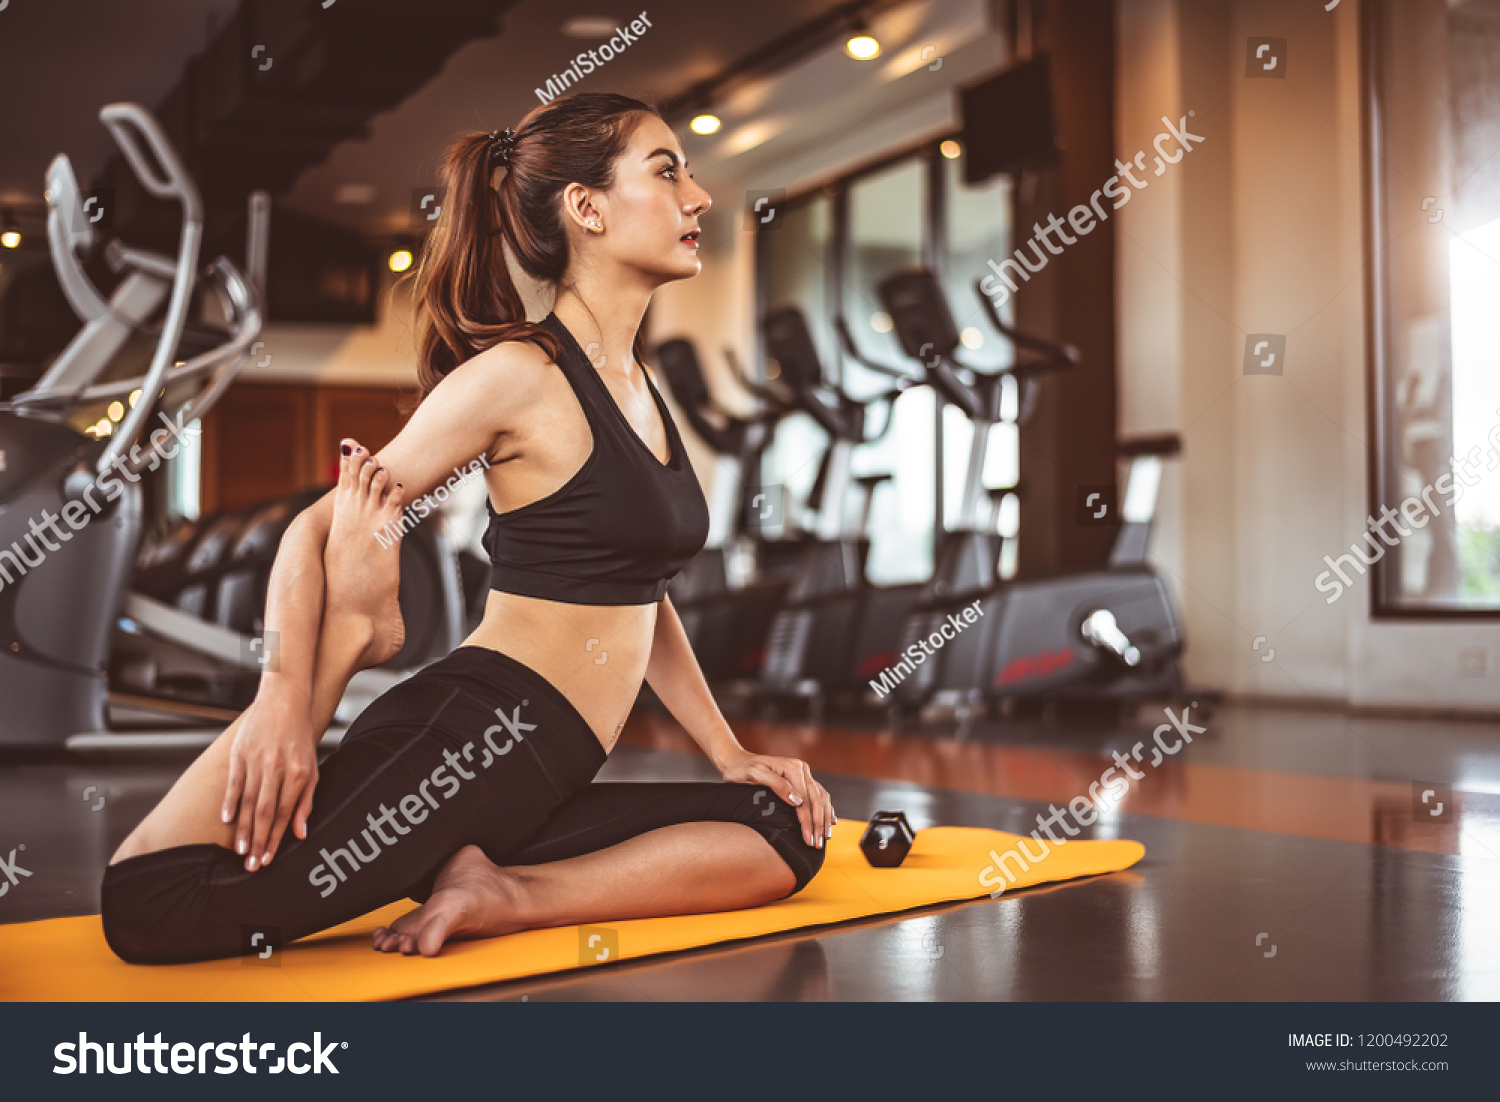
<point>347,450</point>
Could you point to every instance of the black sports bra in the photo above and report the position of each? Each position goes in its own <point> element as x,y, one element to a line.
<point>620,528</point>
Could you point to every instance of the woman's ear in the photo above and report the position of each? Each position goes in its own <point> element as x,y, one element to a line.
<point>578,207</point>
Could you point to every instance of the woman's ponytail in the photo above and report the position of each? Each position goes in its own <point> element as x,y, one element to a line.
<point>465,297</point>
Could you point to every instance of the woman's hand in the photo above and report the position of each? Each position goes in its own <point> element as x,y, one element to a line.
<point>792,780</point>
<point>273,770</point>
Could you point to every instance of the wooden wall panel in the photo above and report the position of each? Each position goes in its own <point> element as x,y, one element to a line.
<point>264,440</point>
<point>368,414</point>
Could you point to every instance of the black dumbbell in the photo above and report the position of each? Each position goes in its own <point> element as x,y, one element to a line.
<point>888,839</point>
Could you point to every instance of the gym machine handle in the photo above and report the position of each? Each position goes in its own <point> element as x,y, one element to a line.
<point>774,397</point>
<point>120,119</point>
<point>1052,355</point>
<point>832,421</point>
<point>940,373</point>
<point>847,340</point>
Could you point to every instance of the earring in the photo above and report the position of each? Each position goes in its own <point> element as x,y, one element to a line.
<point>594,226</point>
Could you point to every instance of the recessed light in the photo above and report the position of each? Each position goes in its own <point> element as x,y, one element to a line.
<point>355,193</point>
<point>862,47</point>
<point>951,149</point>
<point>590,26</point>
<point>705,124</point>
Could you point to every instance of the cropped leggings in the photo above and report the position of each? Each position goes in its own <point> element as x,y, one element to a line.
<point>474,749</point>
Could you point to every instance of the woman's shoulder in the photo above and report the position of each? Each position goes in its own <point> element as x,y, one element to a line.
<point>510,373</point>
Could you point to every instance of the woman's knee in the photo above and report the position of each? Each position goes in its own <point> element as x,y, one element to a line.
<point>778,822</point>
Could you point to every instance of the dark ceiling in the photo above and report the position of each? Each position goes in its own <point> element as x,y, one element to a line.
<point>345,109</point>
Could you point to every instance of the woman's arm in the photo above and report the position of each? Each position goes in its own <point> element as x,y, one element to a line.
<point>275,751</point>
<point>273,763</point>
<point>675,676</point>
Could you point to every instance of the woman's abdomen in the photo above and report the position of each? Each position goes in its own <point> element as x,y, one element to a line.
<point>595,655</point>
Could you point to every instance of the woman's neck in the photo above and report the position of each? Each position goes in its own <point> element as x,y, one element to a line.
<point>603,325</point>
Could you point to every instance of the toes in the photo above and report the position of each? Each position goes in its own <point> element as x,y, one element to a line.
<point>366,473</point>
<point>430,939</point>
<point>395,502</point>
<point>348,462</point>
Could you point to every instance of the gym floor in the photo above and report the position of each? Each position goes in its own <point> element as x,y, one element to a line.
<point>1323,878</point>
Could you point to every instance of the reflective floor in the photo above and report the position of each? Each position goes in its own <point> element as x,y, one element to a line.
<point>1289,855</point>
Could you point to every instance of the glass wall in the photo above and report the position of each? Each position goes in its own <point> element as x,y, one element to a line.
<point>829,255</point>
<point>886,216</point>
<point>793,259</point>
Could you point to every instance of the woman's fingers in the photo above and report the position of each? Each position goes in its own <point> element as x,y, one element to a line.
<point>245,816</point>
<point>292,790</point>
<point>790,772</point>
<point>304,806</point>
<point>828,816</point>
<point>792,780</point>
<point>817,800</point>
<point>235,786</point>
<point>265,816</point>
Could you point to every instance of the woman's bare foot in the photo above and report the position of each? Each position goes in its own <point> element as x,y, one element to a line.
<point>363,569</point>
<point>471,898</point>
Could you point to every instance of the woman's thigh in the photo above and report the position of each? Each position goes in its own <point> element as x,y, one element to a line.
<point>443,760</point>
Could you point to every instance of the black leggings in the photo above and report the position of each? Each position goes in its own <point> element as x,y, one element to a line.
<point>475,749</point>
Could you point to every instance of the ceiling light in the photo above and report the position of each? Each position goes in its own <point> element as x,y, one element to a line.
<point>590,26</point>
<point>400,260</point>
<point>10,239</point>
<point>951,149</point>
<point>705,124</point>
<point>862,47</point>
<point>354,193</point>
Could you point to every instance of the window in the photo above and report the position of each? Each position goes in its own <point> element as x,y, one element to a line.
<point>834,247</point>
<point>1432,86</point>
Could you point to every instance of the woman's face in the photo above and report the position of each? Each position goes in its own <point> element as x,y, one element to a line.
<point>650,215</point>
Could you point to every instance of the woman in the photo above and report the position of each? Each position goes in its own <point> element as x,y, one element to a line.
<point>468,786</point>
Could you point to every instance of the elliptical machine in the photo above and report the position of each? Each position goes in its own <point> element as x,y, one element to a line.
<point>727,595</point>
<point>1109,634</point>
<point>832,615</point>
<point>63,586</point>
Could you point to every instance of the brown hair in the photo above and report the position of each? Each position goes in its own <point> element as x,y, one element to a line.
<point>465,298</point>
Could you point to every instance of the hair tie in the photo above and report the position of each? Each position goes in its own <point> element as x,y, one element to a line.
<point>501,143</point>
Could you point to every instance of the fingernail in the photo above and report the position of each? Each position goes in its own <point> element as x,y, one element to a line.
<point>252,864</point>
<point>266,860</point>
<point>224,816</point>
<point>241,847</point>
<point>346,449</point>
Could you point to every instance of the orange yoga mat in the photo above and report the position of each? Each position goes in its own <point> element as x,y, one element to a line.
<point>66,959</point>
